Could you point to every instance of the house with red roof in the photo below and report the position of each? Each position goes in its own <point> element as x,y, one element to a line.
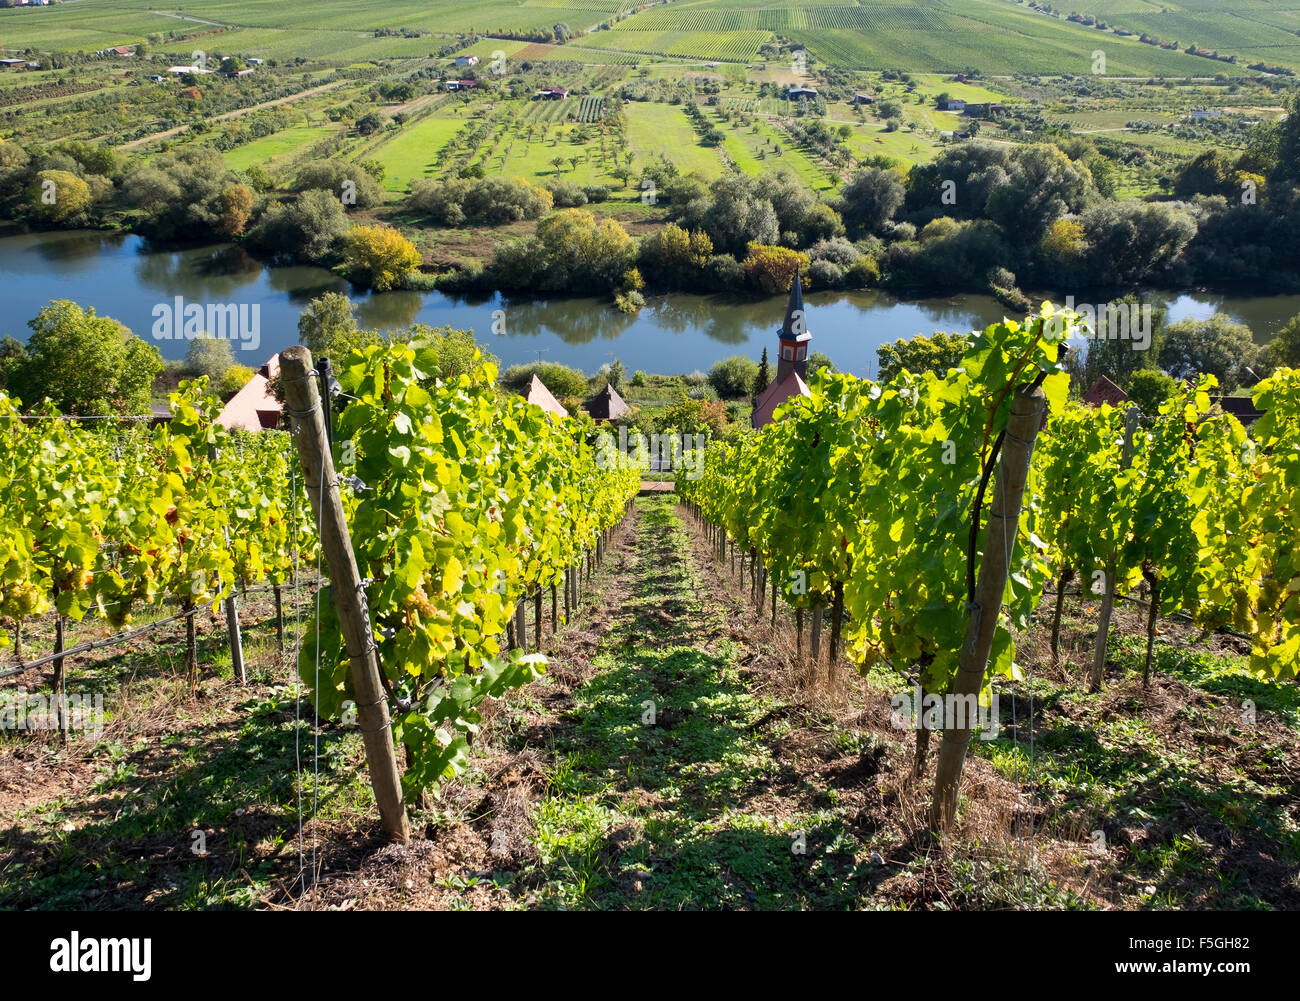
<point>538,394</point>
<point>1104,391</point>
<point>254,408</point>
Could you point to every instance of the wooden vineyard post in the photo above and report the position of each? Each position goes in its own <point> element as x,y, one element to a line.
<point>1108,599</point>
<point>1153,612</point>
<point>555,623</point>
<point>191,647</point>
<point>236,641</point>
<point>816,639</point>
<point>279,620</point>
<point>773,602</point>
<point>303,404</point>
<point>837,625</point>
<point>798,632</point>
<point>568,594</point>
<point>1067,574</point>
<point>537,617</point>
<point>981,627</point>
<point>521,623</point>
<point>232,631</point>
<point>60,698</point>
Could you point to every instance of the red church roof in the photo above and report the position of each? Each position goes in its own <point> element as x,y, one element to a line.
<point>776,394</point>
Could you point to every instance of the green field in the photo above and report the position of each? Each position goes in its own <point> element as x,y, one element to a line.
<point>269,149</point>
<point>998,36</point>
<point>663,128</point>
<point>413,152</point>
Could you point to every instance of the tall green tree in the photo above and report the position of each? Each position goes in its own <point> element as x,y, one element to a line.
<point>87,364</point>
<point>762,378</point>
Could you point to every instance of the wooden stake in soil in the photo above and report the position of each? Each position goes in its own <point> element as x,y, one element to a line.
<point>1108,599</point>
<point>555,624</point>
<point>60,698</point>
<point>816,630</point>
<point>1153,578</point>
<point>537,617</point>
<point>191,648</point>
<point>279,620</point>
<point>1067,574</point>
<point>521,623</point>
<point>303,401</point>
<point>999,543</point>
<point>798,632</point>
<point>837,624</point>
<point>236,640</point>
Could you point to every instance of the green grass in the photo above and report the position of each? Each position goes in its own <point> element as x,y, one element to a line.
<point>706,845</point>
<point>664,128</point>
<point>413,152</point>
<point>170,764</point>
<point>995,35</point>
<point>269,149</point>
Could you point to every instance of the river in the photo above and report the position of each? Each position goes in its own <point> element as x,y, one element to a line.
<point>123,277</point>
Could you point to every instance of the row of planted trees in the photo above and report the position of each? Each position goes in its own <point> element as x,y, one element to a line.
<point>898,505</point>
<point>104,517</point>
<point>468,505</point>
<point>1187,505</point>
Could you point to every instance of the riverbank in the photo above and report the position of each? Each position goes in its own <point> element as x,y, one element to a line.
<point>122,276</point>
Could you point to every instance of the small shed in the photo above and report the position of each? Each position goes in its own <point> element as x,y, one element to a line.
<point>1241,407</point>
<point>607,405</point>
<point>538,394</point>
<point>1104,391</point>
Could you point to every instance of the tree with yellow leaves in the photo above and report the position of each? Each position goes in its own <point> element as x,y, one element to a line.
<point>379,256</point>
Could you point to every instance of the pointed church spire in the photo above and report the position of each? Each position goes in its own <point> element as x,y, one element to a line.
<point>794,335</point>
<point>795,323</point>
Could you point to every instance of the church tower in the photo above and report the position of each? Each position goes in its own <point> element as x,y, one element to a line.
<point>791,360</point>
<point>794,336</point>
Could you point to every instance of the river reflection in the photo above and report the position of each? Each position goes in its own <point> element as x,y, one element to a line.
<point>124,277</point>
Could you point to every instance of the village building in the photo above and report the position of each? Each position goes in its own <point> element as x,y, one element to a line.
<point>607,405</point>
<point>792,360</point>
<point>538,394</point>
<point>1104,391</point>
<point>254,408</point>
